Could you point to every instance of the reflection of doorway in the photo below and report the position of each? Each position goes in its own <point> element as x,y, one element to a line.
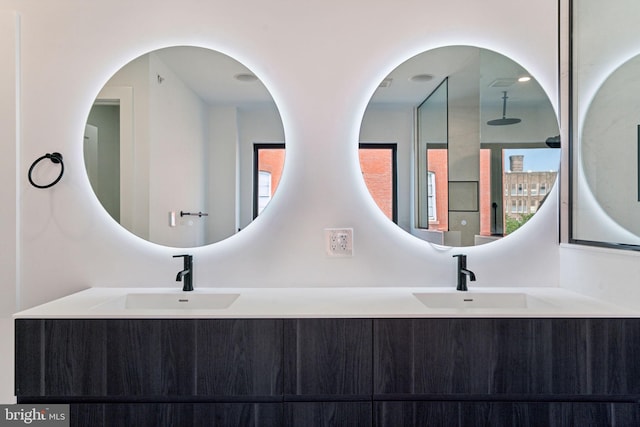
<point>91,153</point>
<point>130,210</point>
<point>102,154</point>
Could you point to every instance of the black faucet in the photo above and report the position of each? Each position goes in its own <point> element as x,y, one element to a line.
<point>463,272</point>
<point>187,272</point>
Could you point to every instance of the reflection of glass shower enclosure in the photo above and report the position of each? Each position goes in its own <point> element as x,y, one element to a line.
<point>431,159</point>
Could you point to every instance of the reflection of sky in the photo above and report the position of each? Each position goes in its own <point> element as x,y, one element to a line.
<point>536,159</point>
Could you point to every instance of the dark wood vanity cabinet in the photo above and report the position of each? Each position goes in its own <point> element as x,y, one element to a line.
<point>333,372</point>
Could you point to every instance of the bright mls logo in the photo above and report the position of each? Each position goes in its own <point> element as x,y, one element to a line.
<point>36,415</point>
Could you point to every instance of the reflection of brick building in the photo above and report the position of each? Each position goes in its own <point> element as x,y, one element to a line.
<point>377,171</point>
<point>270,164</point>
<point>272,161</point>
<point>376,165</point>
<point>525,191</point>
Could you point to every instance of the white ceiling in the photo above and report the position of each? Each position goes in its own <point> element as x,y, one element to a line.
<point>446,61</point>
<point>211,74</point>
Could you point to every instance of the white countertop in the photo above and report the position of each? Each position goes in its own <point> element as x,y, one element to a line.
<point>333,302</point>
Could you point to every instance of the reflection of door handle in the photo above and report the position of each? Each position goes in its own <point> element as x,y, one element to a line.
<point>494,206</point>
<point>199,214</point>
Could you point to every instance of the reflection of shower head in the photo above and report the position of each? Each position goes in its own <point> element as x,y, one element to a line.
<point>504,120</point>
<point>553,141</point>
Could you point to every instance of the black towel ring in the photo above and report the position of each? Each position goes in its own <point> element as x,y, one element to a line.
<point>55,158</point>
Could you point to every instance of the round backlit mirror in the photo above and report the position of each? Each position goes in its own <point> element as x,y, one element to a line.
<point>484,138</point>
<point>610,141</point>
<point>184,146</point>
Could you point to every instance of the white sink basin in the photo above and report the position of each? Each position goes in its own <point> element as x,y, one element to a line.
<point>171,301</point>
<point>462,300</point>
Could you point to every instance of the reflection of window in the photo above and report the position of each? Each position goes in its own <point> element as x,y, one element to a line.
<point>519,189</point>
<point>264,189</point>
<point>524,186</point>
<point>431,196</point>
<point>534,206</point>
<point>378,166</point>
<point>437,198</point>
<point>514,206</point>
<point>268,162</point>
<point>543,188</point>
<point>534,189</point>
<point>514,189</point>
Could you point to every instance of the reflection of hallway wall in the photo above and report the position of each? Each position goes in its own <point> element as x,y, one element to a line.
<point>221,182</point>
<point>178,131</point>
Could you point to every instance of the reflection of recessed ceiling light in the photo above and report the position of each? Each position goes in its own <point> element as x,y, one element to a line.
<point>245,77</point>
<point>524,79</point>
<point>419,78</point>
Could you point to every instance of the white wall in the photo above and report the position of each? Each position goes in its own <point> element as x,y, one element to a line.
<point>179,133</point>
<point>321,61</point>
<point>222,173</point>
<point>9,138</point>
<point>9,220</point>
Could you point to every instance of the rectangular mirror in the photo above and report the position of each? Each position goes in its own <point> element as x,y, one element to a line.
<point>605,113</point>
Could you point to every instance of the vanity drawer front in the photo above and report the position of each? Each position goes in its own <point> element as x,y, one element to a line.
<point>60,357</point>
<point>506,357</point>
<point>176,414</point>
<point>496,414</point>
<point>129,359</point>
<point>239,357</point>
<point>150,357</point>
<point>464,356</point>
<point>325,358</point>
<point>327,414</point>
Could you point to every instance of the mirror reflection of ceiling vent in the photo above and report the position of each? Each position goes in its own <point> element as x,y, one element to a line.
<point>503,82</point>
<point>386,82</point>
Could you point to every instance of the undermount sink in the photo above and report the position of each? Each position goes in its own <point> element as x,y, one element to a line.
<point>171,301</point>
<point>462,300</point>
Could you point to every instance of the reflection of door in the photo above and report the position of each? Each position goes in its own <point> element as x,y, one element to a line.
<point>91,153</point>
